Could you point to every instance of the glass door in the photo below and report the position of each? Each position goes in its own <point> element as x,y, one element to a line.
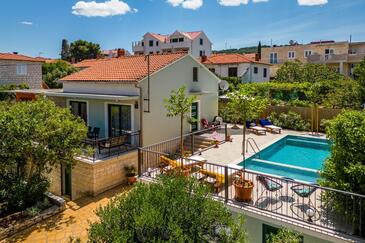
<point>119,119</point>
<point>195,115</point>
<point>78,108</point>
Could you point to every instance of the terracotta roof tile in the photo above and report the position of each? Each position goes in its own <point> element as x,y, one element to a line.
<point>126,69</point>
<point>91,62</point>
<point>229,59</point>
<point>18,57</point>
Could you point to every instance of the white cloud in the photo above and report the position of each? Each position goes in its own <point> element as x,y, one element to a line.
<point>26,23</point>
<point>188,4</point>
<point>312,2</point>
<point>103,9</point>
<point>259,1</point>
<point>232,3</point>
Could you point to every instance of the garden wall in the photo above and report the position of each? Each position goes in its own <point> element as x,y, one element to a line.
<point>93,178</point>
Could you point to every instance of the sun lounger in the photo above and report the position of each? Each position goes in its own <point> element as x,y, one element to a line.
<point>269,126</point>
<point>258,130</point>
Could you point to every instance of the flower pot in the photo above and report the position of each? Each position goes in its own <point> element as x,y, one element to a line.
<point>243,192</point>
<point>235,127</point>
<point>131,180</point>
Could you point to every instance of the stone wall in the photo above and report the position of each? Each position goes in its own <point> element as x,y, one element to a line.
<point>33,76</point>
<point>93,178</point>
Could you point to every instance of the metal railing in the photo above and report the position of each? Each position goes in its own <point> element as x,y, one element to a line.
<point>311,204</point>
<point>103,148</point>
<point>251,142</point>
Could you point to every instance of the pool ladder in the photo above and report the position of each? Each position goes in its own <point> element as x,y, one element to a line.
<point>253,145</point>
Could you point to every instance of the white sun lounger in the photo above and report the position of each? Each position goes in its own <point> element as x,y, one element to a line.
<point>258,130</point>
<point>273,129</point>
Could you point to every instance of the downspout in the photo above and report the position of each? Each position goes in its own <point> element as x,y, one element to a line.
<point>140,114</point>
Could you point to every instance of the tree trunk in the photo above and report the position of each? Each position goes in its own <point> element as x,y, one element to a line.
<point>181,135</point>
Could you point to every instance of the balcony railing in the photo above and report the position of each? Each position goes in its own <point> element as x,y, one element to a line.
<point>103,148</point>
<point>309,205</point>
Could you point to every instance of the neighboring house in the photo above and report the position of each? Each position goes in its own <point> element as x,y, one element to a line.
<point>19,69</point>
<point>342,56</point>
<point>115,53</point>
<point>108,96</point>
<point>238,65</point>
<point>196,43</point>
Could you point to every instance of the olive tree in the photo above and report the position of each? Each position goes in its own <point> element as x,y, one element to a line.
<point>174,209</point>
<point>35,136</point>
<point>179,105</point>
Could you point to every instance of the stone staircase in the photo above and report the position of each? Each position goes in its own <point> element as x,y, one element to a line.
<point>200,142</point>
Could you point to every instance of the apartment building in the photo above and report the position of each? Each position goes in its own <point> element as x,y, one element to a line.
<point>195,43</point>
<point>341,56</point>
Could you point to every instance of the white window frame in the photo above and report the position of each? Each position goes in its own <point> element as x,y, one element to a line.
<point>276,59</point>
<point>291,54</point>
<point>307,52</point>
<point>106,118</point>
<point>21,69</point>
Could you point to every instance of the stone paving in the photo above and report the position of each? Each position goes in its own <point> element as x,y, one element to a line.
<point>71,223</point>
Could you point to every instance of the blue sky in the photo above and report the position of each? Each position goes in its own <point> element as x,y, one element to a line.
<point>34,26</point>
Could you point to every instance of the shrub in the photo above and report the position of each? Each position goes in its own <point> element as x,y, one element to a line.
<point>290,120</point>
<point>345,168</point>
<point>285,236</point>
<point>174,209</point>
<point>33,211</point>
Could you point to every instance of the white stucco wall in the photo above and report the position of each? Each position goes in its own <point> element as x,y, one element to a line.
<point>106,88</point>
<point>156,125</point>
<point>222,70</point>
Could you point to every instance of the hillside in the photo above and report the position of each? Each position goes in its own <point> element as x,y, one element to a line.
<point>249,49</point>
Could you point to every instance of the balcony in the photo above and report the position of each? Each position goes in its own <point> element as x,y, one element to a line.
<point>98,149</point>
<point>336,58</point>
<point>309,206</point>
<point>137,46</point>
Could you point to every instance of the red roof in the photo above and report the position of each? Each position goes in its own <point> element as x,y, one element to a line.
<point>127,69</point>
<point>18,57</point>
<point>91,62</point>
<point>191,35</point>
<point>230,59</point>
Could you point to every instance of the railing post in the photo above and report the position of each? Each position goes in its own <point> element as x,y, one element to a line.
<point>226,194</point>
<point>192,144</point>
<point>139,162</point>
<point>226,132</point>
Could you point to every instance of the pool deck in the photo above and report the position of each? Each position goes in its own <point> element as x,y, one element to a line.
<point>230,153</point>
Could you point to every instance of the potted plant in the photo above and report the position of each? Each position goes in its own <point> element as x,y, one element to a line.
<point>243,188</point>
<point>131,174</point>
<point>215,143</point>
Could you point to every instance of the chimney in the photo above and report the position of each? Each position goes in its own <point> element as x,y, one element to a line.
<point>120,52</point>
<point>257,57</point>
<point>15,52</point>
<point>204,58</point>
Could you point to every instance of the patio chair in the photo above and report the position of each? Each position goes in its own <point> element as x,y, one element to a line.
<point>269,126</point>
<point>114,142</point>
<point>270,186</point>
<point>205,124</point>
<point>307,209</point>
<point>218,179</point>
<point>168,165</point>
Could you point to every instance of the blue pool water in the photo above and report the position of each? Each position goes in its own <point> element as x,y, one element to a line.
<point>296,157</point>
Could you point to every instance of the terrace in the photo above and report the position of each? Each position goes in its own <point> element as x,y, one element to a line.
<point>304,205</point>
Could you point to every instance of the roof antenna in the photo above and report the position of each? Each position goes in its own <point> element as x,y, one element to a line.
<point>350,38</point>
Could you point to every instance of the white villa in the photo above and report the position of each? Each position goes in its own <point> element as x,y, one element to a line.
<point>196,43</point>
<point>125,105</point>
<point>238,65</point>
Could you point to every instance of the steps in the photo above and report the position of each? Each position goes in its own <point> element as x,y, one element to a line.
<point>200,142</point>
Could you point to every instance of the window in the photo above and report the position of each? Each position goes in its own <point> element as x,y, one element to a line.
<point>307,53</point>
<point>255,70</point>
<point>21,69</point>
<point>157,43</point>
<point>201,41</point>
<point>291,54</point>
<point>352,51</point>
<point>151,43</point>
<point>195,74</point>
<point>212,70</point>
<point>142,43</point>
<point>202,53</point>
<point>181,39</point>
<point>157,52</point>
<point>265,73</point>
<point>119,119</point>
<point>151,52</point>
<point>78,108</point>
<point>174,40</point>
<point>273,58</point>
<point>232,72</point>
<point>327,53</point>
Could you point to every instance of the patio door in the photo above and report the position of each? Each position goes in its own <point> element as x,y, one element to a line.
<point>195,115</point>
<point>79,108</point>
<point>66,181</point>
<point>119,119</point>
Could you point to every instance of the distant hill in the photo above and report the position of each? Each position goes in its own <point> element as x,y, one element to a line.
<point>243,50</point>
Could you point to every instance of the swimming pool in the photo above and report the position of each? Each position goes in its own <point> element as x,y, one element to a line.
<point>295,157</point>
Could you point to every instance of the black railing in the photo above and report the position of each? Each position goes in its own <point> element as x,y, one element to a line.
<point>311,204</point>
<point>102,148</point>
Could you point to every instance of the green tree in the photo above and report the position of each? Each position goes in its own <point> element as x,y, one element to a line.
<point>359,75</point>
<point>54,71</point>
<point>345,168</point>
<point>174,209</point>
<point>259,49</point>
<point>179,105</point>
<point>290,72</point>
<point>65,50</point>
<point>6,95</point>
<point>35,136</point>
<point>81,50</point>
<point>285,236</point>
